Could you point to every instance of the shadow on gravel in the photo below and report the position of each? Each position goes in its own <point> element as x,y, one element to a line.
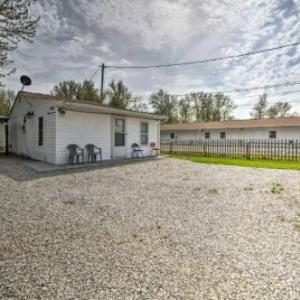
<point>17,168</point>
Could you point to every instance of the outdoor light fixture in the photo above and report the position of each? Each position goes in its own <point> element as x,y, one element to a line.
<point>29,114</point>
<point>52,108</point>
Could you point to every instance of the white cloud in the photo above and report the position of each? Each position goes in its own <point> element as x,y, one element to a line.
<point>74,37</point>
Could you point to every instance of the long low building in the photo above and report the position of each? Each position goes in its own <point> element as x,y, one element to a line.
<point>280,128</point>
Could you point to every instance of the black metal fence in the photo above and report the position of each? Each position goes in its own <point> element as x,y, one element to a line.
<point>251,149</point>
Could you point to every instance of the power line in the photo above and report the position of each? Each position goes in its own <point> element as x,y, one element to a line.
<point>249,104</point>
<point>94,74</point>
<point>272,94</point>
<point>204,60</point>
<point>270,86</point>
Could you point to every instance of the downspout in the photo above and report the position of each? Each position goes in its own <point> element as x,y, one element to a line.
<point>6,139</point>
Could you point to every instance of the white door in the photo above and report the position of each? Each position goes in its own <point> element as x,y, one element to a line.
<point>119,137</point>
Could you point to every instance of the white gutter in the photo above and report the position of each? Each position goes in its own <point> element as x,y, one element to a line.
<point>91,108</point>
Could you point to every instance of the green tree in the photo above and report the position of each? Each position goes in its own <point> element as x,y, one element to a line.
<point>223,107</point>
<point>16,25</point>
<point>207,107</point>
<point>185,110</point>
<point>68,89</point>
<point>283,109</point>
<point>195,100</point>
<point>88,91</point>
<point>272,112</point>
<point>260,108</point>
<point>138,104</point>
<point>7,98</point>
<point>118,95</point>
<point>164,104</point>
<point>73,90</point>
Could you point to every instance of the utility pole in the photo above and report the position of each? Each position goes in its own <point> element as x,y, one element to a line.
<point>102,82</point>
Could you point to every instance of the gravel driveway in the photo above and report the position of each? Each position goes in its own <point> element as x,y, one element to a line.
<point>162,229</point>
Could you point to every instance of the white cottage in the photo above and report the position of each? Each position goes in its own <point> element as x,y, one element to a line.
<point>281,128</point>
<point>41,126</point>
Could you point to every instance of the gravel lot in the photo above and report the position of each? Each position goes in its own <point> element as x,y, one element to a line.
<point>162,229</point>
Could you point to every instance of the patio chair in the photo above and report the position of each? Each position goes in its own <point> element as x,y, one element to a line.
<point>92,152</point>
<point>154,149</point>
<point>136,150</point>
<point>75,152</point>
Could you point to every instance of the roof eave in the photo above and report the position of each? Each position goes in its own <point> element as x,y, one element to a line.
<point>240,127</point>
<point>86,108</point>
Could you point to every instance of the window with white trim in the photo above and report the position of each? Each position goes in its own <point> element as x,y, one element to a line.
<point>144,133</point>
<point>272,134</point>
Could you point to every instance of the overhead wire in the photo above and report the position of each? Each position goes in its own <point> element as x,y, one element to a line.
<point>205,60</point>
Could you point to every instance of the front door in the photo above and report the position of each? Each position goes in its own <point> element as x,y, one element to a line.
<point>119,138</point>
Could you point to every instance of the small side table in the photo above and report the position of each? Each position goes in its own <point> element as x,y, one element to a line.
<point>155,151</point>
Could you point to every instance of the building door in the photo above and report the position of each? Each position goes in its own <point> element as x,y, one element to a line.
<point>119,138</point>
<point>2,137</point>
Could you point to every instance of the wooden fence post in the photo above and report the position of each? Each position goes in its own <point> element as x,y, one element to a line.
<point>248,154</point>
<point>171,147</point>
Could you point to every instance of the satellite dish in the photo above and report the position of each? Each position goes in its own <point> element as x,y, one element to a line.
<point>25,80</point>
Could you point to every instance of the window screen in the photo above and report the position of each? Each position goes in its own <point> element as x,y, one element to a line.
<point>119,132</point>
<point>272,134</point>
<point>144,133</point>
<point>222,135</point>
<point>41,131</point>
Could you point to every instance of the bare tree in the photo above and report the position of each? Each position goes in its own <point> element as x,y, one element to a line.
<point>260,108</point>
<point>16,25</point>
<point>185,111</point>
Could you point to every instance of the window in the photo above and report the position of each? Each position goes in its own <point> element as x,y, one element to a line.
<point>272,134</point>
<point>119,132</point>
<point>144,133</point>
<point>172,135</point>
<point>207,135</point>
<point>222,135</point>
<point>41,131</point>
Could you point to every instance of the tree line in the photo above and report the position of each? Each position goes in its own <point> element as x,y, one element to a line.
<point>193,107</point>
<point>197,106</point>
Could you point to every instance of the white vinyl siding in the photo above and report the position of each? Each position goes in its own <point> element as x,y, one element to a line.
<point>288,133</point>
<point>24,141</point>
<point>73,127</point>
<point>134,134</point>
<point>81,129</point>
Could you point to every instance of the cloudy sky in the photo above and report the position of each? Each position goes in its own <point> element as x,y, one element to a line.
<point>74,36</point>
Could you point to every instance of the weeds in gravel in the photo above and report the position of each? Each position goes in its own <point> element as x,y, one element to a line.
<point>213,191</point>
<point>248,188</point>
<point>69,202</point>
<point>297,224</point>
<point>282,219</point>
<point>277,188</point>
<point>134,235</point>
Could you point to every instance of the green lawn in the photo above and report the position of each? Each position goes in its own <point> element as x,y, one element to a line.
<point>268,164</point>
